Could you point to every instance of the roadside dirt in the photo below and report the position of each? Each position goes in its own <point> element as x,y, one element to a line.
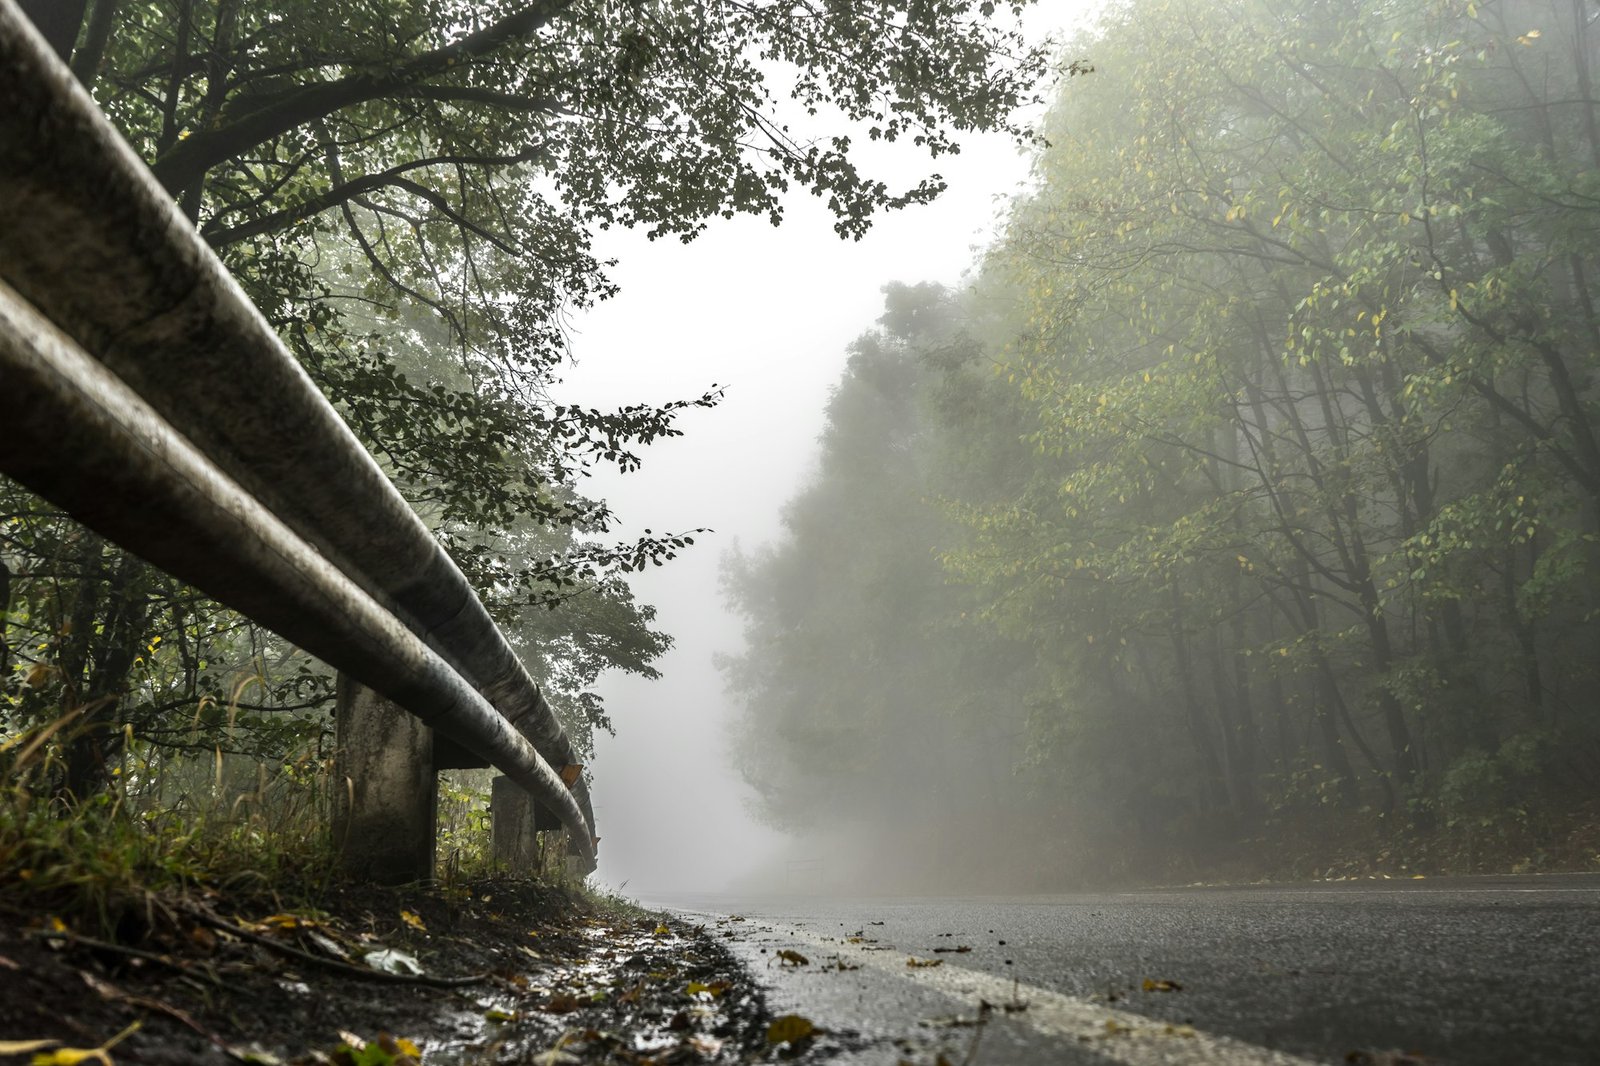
<point>492,973</point>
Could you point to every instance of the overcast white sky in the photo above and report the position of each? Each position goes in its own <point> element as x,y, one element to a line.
<point>768,313</point>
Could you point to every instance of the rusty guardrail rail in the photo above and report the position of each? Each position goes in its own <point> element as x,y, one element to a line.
<point>124,339</point>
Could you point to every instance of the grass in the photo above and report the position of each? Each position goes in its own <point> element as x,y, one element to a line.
<point>169,825</point>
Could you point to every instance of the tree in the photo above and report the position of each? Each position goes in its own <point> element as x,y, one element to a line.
<point>869,699</point>
<point>408,194</point>
<point>1307,338</point>
<point>1287,494</point>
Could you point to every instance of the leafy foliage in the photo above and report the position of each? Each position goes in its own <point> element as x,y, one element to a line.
<point>1297,336</point>
<point>408,192</point>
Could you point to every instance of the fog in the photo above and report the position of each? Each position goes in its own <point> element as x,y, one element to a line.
<point>768,313</point>
<point>1060,608</point>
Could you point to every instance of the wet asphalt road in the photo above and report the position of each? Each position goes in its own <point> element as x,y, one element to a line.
<point>1468,972</point>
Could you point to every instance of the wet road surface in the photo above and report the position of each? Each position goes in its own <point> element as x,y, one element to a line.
<point>1459,971</point>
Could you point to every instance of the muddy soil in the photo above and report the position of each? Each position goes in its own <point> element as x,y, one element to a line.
<point>491,973</point>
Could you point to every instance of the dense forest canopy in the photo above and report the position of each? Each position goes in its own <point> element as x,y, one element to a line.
<point>408,192</point>
<point>1246,505</point>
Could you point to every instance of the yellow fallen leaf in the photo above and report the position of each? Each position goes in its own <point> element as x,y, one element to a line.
<point>398,1045</point>
<point>789,1029</point>
<point>1161,986</point>
<point>662,930</point>
<point>72,1056</point>
<point>413,921</point>
<point>923,964</point>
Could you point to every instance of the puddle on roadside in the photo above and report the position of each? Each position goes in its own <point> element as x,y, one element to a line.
<point>625,999</point>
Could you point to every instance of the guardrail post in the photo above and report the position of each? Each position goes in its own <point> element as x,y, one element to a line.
<point>386,794</point>
<point>512,826</point>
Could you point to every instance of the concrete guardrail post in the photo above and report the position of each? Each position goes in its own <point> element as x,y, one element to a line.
<point>516,819</point>
<point>513,839</point>
<point>386,794</point>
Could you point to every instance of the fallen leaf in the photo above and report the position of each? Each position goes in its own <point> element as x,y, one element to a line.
<point>790,1029</point>
<point>709,1046</point>
<point>715,989</point>
<point>1152,985</point>
<point>556,1057</point>
<point>390,960</point>
<point>561,1004</point>
<point>383,1050</point>
<point>327,944</point>
<point>662,930</point>
<point>923,964</point>
<point>413,921</point>
<point>497,1014</point>
<point>72,1056</point>
<point>397,1046</point>
<point>281,921</point>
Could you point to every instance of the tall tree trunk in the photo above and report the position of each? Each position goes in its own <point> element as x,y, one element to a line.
<point>87,59</point>
<point>108,658</point>
<point>1213,788</point>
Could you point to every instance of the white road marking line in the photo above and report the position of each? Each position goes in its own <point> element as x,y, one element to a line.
<point>1115,1035</point>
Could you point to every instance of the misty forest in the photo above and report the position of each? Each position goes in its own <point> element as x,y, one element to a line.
<point>1238,517</point>
<point>1228,527</point>
<point>1235,516</point>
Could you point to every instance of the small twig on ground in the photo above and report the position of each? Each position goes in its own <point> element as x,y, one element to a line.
<point>363,972</point>
<point>119,949</point>
<point>106,990</point>
<point>977,1031</point>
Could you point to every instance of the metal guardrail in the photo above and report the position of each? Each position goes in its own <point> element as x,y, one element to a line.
<point>144,393</point>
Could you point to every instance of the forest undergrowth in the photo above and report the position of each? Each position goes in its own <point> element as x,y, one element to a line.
<point>225,931</point>
<point>1312,847</point>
